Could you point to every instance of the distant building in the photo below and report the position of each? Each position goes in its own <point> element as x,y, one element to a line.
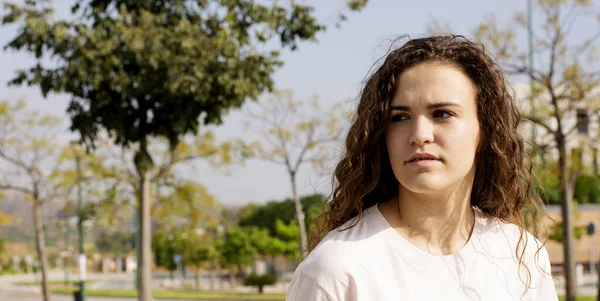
<point>584,215</point>
<point>583,117</point>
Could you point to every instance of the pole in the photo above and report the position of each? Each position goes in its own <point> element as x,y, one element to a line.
<point>137,250</point>
<point>592,261</point>
<point>67,252</point>
<point>82,259</point>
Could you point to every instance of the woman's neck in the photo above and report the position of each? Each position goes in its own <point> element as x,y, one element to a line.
<point>440,224</point>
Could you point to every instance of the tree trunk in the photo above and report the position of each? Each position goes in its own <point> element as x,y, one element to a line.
<point>299,215</point>
<point>145,291</point>
<point>197,278</point>
<point>40,246</point>
<point>284,268</point>
<point>566,198</point>
<point>221,278</point>
<point>144,164</point>
<point>232,277</point>
<point>595,163</point>
<point>211,274</point>
<point>260,289</point>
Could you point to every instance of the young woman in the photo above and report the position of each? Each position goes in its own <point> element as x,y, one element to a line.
<point>432,194</point>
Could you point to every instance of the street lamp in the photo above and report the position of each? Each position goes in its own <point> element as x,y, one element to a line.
<point>82,260</point>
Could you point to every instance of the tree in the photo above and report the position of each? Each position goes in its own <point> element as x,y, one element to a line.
<point>560,84</point>
<point>5,218</point>
<point>164,247</point>
<point>587,189</point>
<point>156,68</point>
<point>2,250</point>
<point>260,281</point>
<point>28,146</point>
<point>237,250</point>
<point>114,242</point>
<point>199,250</point>
<point>266,216</point>
<point>183,203</point>
<point>177,200</point>
<point>295,133</point>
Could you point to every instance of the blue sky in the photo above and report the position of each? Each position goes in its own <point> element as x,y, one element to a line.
<point>333,68</point>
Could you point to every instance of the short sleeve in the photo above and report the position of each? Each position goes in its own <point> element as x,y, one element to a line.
<point>304,288</point>
<point>544,288</point>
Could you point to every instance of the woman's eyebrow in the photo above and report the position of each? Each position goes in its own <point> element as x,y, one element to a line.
<point>435,105</point>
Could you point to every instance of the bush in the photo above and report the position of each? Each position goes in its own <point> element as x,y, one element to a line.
<point>587,189</point>
<point>260,281</point>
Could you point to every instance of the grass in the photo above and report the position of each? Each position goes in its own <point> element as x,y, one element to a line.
<point>178,295</point>
<point>183,295</point>
<point>580,298</point>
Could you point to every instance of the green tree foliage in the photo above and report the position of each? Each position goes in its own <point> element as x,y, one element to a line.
<point>266,216</point>
<point>156,68</point>
<point>587,189</point>
<point>199,251</point>
<point>287,236</point>
<point>114,242</point>
<point>184,203</point>
<point>557,232</point>
<point>164,247</point>
<point>238,248</point>
<point>142,69</point>
<point>2,247</point>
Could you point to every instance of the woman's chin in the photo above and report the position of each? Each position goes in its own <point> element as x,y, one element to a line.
<point>425,186</point>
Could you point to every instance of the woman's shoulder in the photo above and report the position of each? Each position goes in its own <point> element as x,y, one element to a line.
<point>498,232</point>
<point>345,245</point>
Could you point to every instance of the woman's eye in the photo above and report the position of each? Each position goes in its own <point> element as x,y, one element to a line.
<point>399,117</point>
<point>442,114</point>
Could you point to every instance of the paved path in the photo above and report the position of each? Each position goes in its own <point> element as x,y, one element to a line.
<point>11,292</point>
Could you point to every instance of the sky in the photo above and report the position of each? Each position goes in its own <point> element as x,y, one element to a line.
<point>333,68</point>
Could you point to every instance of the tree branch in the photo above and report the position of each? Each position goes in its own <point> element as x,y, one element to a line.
<point>305,148</point>
<point>517,70</point>
<point>51,196</point>
<point>14,161</point>
<point>541,123</point>
<point>588,43</point>
<point>17,188</point>
<point>164,168</point>
<point>571,130</point>
<point>130,173</point>
<point>270,159</point>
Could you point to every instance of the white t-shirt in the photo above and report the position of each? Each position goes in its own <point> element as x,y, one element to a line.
<point>372,262</point>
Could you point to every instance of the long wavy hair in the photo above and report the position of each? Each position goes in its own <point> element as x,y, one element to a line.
<point>503,189</point>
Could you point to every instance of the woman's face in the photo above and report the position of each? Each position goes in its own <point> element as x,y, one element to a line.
<point>433,134</point>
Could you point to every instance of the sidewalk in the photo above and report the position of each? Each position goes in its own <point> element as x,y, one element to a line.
<point>11,292</point>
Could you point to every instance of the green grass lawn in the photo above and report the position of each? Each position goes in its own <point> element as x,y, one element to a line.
<point>580,298</point>
<point>210,296</point>
<point>178,295</point>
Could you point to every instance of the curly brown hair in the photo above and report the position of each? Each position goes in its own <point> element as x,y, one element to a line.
<point>363,177</point>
